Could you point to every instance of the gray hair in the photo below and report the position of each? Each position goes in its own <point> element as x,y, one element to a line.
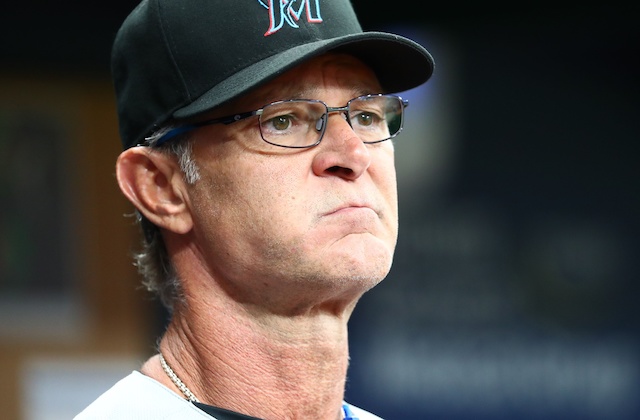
<point>152,261</point>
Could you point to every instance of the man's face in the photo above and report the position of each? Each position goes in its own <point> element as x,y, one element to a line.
<point>277,226</point>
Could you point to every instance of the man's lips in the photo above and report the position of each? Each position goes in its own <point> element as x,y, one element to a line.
<point>351,209</point>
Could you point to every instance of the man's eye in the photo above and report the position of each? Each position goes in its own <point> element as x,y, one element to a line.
<point>365,119</point>
<point>281,122</point>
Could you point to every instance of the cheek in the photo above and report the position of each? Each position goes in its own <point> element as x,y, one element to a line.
<point>383,174</point>
<point>237,214</point>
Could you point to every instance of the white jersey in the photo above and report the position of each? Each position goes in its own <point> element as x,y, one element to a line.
<point>139,397</point>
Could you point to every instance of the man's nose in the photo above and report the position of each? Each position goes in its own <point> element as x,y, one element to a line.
<point>341,152</point>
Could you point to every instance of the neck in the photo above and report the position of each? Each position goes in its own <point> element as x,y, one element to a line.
<point>264,365</point>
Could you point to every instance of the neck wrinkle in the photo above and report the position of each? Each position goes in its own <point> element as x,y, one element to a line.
<point>266,366</point>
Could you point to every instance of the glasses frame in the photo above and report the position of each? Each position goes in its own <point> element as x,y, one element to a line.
<point>230,119</point>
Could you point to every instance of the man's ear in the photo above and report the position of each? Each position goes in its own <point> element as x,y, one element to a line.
<point>154,183</point>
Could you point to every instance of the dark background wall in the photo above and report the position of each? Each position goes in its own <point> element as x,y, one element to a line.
<point>515,286</point>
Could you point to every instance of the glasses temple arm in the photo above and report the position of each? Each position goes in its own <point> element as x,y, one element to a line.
<point>188,127</point>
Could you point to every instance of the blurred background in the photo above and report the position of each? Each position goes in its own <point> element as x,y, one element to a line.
<point>515,283</point>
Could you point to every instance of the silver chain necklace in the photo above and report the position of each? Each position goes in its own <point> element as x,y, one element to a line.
<point>174,378</point>
<point>191,397</point>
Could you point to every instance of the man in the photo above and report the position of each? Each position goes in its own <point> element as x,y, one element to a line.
<point>257,153</point>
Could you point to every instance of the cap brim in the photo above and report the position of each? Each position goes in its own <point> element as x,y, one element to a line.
<point>399,63</point>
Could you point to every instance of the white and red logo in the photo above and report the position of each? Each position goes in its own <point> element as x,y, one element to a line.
<point>288,12</point>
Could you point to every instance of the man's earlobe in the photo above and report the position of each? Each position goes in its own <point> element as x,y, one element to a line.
<point>154,184</point>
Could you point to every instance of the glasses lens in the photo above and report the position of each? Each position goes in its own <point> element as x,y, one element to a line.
<point>376,118</point>
<point>295,123</point>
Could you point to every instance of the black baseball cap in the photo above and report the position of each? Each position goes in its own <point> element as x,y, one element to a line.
<point>176,59</point>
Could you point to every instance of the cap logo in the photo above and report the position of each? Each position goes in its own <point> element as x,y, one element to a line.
<point>289,12</point>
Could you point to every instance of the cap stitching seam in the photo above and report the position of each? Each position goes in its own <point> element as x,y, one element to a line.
<point>171,46</point>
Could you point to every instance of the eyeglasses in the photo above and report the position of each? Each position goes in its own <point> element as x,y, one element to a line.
<point>300,123</point>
